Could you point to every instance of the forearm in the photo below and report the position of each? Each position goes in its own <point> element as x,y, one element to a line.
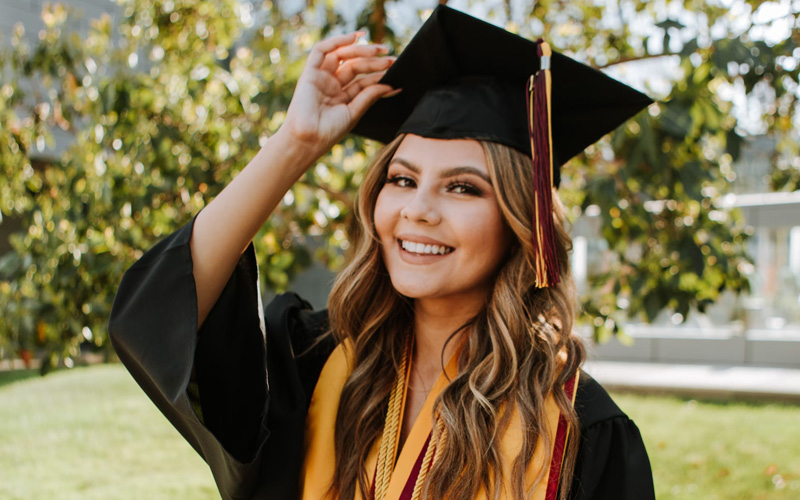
<point>227,225</point>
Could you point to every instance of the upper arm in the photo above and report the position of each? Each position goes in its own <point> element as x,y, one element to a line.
<point>612,463</point>
<point>612,460</point>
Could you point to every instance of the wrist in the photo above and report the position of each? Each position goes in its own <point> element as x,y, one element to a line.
<point>301,153</point>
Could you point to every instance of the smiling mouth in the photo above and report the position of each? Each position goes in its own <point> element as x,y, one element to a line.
<point>425,249</point>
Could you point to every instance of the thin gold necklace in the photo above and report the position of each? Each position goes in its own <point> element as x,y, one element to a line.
<point>425,390</point>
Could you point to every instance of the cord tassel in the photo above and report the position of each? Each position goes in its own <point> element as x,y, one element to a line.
<point>539,129</point>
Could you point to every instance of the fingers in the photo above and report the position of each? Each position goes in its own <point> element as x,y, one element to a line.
<point>337,41</point>
<point>356,86</point>
<point>321,49</point>
<point>342,57</point>
<point>352,77</point>
<point>329,52</point>
<point>346,74</point>
<point>328,84</point>
<point>334,58</point>
<point>350,69</point>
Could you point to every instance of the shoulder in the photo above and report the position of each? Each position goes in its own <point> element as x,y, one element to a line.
<point>294,331</point>
<point>290,307</point>
<point>612,460</point>
<point>290,314</point>
<point>593,404</point>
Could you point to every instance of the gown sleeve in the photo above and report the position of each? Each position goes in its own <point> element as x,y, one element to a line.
<point>612,461</point>
<point>251,433</point>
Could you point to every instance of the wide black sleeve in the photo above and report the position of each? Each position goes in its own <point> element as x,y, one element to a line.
<point>612,461</point>
<point>252,418</point>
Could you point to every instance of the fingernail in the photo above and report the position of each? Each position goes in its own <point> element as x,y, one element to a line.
<point>382,48</point>
<point>392,93</point>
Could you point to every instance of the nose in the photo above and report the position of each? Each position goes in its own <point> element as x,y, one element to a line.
<point>420,208</point>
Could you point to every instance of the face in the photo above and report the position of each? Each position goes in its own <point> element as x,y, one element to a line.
<point>441,230</point>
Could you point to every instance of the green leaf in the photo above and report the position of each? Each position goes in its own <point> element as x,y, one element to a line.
<point>733,144</point>
<point>676,120</point>
<point>670,23</point>
<point>652,305</point>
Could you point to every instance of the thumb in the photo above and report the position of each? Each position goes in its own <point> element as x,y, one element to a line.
<point>367,97</point>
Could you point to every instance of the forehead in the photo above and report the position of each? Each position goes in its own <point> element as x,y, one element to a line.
<point>424,152</point>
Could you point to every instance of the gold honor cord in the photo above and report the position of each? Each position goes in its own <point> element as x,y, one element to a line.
<point>427,437</point>
<point>391,429</point>
<point>391,433</point>
<point>439,437</point>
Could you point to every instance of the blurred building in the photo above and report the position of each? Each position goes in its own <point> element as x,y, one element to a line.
<point>760,328</point>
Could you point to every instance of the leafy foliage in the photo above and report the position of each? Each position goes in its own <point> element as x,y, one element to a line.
<point>152,117</point>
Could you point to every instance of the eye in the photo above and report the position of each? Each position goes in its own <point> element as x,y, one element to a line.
<point>401,181</point>
<point>462,187</point>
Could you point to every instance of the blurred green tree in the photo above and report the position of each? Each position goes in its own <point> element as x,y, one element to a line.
<point>163,109</point>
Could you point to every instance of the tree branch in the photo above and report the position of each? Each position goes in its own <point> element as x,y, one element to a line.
<point>378,19</point>
<point>634,58</point>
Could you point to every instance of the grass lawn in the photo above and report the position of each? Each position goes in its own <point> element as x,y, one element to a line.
<point>90,433</point>
<point>719,450</point>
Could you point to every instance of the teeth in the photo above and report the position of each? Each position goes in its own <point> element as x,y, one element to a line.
<point>422,248</point>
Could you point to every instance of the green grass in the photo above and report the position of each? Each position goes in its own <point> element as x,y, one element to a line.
<point>90,433</point>
<point>719,450</point>
<point>9,377</point>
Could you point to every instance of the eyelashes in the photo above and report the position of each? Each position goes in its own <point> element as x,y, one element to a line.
<point>462,187</point>
<point>457,186</point>
<point>400,180</point>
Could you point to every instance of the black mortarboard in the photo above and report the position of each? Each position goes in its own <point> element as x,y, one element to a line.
<point>464,78</point>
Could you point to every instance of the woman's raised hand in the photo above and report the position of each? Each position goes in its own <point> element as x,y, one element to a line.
<point>338,84</point>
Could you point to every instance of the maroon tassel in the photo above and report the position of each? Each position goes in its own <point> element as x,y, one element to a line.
<point>539,112</point>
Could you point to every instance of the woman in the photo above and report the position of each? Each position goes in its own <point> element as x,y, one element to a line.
<point>445,365</point>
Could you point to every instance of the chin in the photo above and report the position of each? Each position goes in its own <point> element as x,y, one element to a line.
<point>413,290</point>
<point>410,292</point>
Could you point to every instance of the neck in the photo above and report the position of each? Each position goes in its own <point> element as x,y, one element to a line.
<point>434,324</point>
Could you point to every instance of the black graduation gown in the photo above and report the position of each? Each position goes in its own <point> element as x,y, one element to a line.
<point>256,375</point>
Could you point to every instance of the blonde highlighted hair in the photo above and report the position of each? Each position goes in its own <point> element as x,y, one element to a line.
<point>513,356</point>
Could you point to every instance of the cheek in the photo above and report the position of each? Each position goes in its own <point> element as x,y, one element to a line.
<point>384,218</point>
<point>488,233</point>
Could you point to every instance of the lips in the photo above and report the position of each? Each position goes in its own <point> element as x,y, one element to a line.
<point>424,248</point>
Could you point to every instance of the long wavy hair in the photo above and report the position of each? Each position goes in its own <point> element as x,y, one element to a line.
<point>518,350</point>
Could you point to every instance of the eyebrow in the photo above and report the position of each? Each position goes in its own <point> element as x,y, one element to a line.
<point>448,172</point>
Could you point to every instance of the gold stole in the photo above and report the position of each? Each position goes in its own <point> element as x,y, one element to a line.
<point>317,473</point>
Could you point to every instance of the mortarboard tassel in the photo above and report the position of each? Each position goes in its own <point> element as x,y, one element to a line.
<point>539,129</point>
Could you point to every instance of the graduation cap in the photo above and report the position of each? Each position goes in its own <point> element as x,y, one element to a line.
<point>463,78</point>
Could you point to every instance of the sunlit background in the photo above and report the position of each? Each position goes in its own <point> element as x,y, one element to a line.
<point>119,121</point>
